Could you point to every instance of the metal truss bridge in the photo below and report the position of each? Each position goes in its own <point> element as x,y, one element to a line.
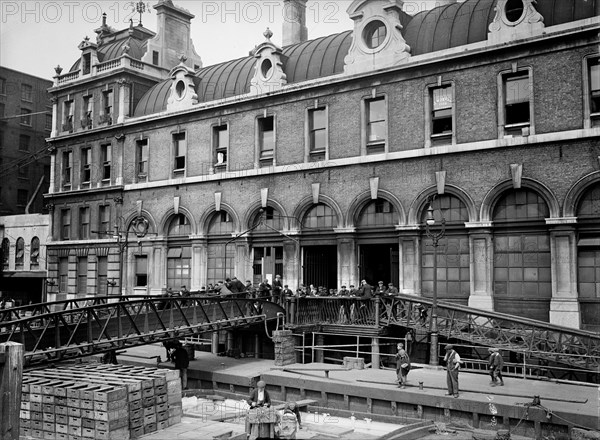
<point>573,349</point>
<point>82,327</point>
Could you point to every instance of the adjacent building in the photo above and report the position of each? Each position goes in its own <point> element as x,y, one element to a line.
<point>318,160</point>
<point>25,123</point>
<point>23,272</point>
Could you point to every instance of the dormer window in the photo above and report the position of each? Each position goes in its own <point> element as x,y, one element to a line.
<point>374,34</point>
<point>514,10</point>
<point>266,69</point>
<point>86,63</point>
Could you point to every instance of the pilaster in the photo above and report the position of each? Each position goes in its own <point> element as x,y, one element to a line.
<point>243,261</point>
<point>158,274</point>
<point>291,263</point>
<point>347,265</point>
<point>199,263</point>
<point>124,99</point>
<point>409,276</point>
<point>481,267</point>
<point>564,305</point>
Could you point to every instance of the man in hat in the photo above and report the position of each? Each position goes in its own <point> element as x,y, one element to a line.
<point>496,363</point>
<point>257,428</point>
<point>277,288</point>
<point>452,360</point>
<point>259,396</point>
<point>380,290</point>
<point>402,365</point>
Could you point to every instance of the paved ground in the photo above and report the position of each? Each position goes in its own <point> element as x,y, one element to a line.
<point>474,387</point>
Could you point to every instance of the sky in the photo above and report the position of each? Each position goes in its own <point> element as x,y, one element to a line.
<point>36,36</point>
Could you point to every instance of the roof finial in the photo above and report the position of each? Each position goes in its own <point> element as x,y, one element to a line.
<point>268,34</point>
<point>140,8</point>
<point>58,69</point>
<point>103,19</point>
<point>182,58</point>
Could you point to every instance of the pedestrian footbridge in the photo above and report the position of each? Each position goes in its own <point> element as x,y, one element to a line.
<point>85,326</point>
<point>570,348</point>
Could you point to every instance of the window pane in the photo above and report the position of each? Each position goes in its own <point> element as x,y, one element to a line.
<point>595,76</point>
<point>442,98</point>
<point>377,110</point>
<point>318,119</point>
<point>517,90</point>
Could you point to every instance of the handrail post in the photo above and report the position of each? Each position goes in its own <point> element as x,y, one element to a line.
<point>291,303</point>
<point>377,307</point>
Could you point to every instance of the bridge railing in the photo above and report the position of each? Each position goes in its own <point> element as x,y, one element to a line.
<point>84,326</point>
<point>551,342</point>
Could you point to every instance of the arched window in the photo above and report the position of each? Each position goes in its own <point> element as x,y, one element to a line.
<point>378,212</point>
<point>179,254</point>
<point>179,226</point>
<point>453,271</point>
<point>5,253</point>
<point>19,253</point>
<point>271,219</point>
<point>588,258</point>
<point>221,223</point>
<point>320,216</point>
<point>220,261</point>
<point>34,258</point>
<point>522,273</point>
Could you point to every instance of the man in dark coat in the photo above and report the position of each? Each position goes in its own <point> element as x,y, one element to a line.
<point>259,396</point>
<point>182,361</point>
<point>380,290</point>
<point>496,364</point>
<point>365,291</point>
<point>277,288</point>
<point>402,366</point>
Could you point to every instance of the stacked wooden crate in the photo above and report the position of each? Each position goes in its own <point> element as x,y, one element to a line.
<point>99,401</point>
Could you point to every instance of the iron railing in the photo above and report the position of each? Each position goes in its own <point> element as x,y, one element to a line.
<point>548,342</point>
<point>85,326</point>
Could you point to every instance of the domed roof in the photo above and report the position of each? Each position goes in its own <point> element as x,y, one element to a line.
<point>136,41</point>
<point>302,62</point>
<point>444,27</point>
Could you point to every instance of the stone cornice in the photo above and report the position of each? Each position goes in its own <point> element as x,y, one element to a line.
<point>473,225</point>
<point>561,221</point>
<point>351,230</point>
<point>407,228</point>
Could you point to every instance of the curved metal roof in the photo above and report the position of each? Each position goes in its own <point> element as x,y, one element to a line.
<point>444,27</point>
<point>114,49</point>
<point>309,60</point>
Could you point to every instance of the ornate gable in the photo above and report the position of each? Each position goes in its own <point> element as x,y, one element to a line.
<point>182,94</point>
<point>377,40</point>
<point>268,69</point>
<point>515,19</point>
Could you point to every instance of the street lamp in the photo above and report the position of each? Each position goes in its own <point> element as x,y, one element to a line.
<point>435,238</point>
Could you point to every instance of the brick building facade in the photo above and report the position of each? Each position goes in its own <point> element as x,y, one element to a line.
<point>25,123</point>
<point>317,161</point>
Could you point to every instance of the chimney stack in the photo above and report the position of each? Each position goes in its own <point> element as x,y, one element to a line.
<point>294,22</point>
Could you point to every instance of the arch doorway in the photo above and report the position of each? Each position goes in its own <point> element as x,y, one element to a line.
<point>378,253</point>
